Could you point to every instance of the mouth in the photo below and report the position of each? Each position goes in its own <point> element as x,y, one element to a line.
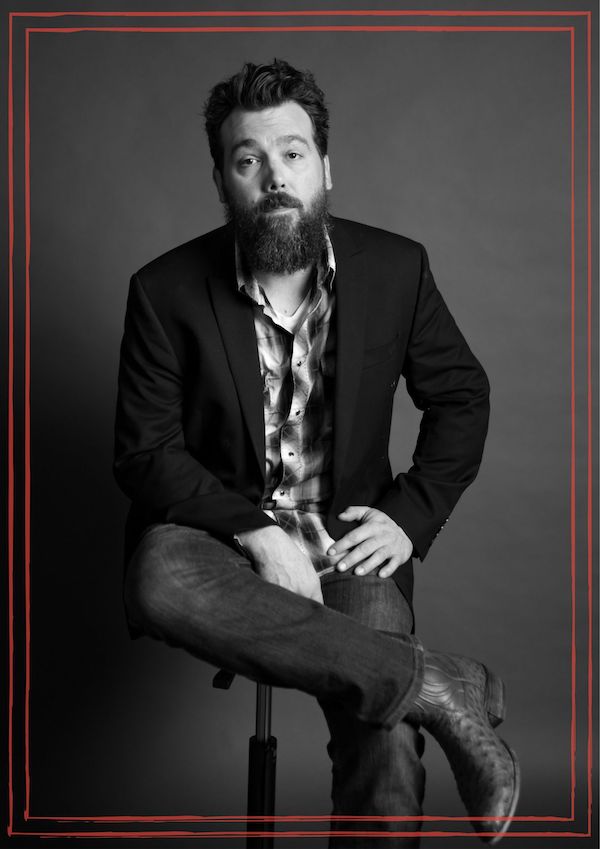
<point>278,210</point>
<point>278,204</point>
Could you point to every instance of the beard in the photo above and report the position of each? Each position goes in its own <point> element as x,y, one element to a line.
<point>280,244</point>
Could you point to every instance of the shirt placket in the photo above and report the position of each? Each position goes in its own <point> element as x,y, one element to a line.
<point>290,441</point>
<point>293,429</point>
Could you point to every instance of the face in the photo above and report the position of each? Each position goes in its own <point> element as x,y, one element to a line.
<point>274,184</point>
<point>269,152</point>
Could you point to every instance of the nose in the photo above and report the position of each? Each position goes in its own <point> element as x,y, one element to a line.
<point>274,176</point>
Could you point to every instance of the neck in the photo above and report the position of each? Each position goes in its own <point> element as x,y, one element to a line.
<point>286,291</point>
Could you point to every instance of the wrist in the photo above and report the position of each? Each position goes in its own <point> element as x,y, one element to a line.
<point>257,540</point>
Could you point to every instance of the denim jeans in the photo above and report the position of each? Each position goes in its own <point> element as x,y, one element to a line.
<point>355,654</point>
<point>375,772</point>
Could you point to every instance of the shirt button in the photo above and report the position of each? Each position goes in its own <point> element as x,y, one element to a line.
<point>297,413</point>
<point>299,363</point>
<point>282,491</point>
<point>290,453</point>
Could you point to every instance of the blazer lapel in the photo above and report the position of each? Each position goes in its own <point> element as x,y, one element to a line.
<point>351,287</point>
<point>235,318</point>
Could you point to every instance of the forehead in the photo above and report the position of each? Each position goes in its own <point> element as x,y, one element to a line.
<point>266,126</point>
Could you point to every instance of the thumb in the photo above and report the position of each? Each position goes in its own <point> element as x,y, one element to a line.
<point>352,514</point>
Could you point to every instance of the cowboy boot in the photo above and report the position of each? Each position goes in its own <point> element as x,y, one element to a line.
<point>458,703</point>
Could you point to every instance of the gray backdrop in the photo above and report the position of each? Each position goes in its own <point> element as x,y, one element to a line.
<point>458,140</point>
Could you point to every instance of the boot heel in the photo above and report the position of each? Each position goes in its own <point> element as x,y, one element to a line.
<point>495,700</point>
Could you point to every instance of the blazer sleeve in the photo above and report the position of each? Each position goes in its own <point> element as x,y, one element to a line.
<point>152,465</point>
<point>446,382</point>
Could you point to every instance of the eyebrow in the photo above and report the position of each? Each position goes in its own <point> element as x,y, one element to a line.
<point>252,143</point>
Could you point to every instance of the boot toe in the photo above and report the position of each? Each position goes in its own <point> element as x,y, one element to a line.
<point>500,801</point>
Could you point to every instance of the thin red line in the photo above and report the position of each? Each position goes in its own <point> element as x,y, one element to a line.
<point>573,480</point>
<point>280,834</point>
<point>589,409</point>
<point>315,28</point>
<point>27,422</point>
<point>299,818</point>
<point>11,439</point>
<point>307,12</point>
<point>253,29</point>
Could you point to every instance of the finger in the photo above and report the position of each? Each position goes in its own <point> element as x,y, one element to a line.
<point>371,563</point>
<point>405,556</point>
<point>368,531</point>
<point>358,555</point>
<point>353,513</point>
<point>390,567</point>
<point>349,540</point>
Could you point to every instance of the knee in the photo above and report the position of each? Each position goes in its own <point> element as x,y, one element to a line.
<point>151,588</point>
<point>176,579</point>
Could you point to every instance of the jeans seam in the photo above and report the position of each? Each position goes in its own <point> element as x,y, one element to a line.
<point>402,705</point>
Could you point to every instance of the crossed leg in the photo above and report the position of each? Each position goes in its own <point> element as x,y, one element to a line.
<point>190,590</point>
<point>355,654</point>
<point>375,771</point>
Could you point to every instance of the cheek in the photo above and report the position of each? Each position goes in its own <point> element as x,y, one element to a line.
<point>317,181</point>
<point>240,191</point>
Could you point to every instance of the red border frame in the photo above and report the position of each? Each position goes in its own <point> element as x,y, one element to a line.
<point>311,28</point>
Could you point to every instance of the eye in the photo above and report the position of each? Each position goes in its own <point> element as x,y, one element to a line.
<point>247,162</point>
<point>293,154</point>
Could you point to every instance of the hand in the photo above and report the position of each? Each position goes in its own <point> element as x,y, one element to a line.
<point>278,560</point>
<point>378,540</point>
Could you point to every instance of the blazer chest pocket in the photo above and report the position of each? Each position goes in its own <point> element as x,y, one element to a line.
<point>380,353</point>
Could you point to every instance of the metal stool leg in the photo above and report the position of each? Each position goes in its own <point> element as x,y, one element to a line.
<point>261,771</point>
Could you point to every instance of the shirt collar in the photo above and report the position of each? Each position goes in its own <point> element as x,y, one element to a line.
<point>247,283</point>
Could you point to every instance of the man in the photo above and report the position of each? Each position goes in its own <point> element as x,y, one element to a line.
<point>266,535</point>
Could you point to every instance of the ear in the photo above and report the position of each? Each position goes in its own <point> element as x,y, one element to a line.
<point>327,172</point>
<point>218,181</point>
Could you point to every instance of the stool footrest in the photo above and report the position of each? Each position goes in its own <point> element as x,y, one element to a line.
<point>223,679</point>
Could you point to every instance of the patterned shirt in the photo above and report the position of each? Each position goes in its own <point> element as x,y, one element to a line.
<point>297,364</point>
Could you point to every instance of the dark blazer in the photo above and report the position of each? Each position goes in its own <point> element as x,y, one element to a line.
<point>190,430</point>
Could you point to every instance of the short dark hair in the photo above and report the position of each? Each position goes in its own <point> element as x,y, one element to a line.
<point>258,87</point>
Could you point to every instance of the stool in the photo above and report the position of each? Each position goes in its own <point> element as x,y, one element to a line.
<point>262,759</point>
